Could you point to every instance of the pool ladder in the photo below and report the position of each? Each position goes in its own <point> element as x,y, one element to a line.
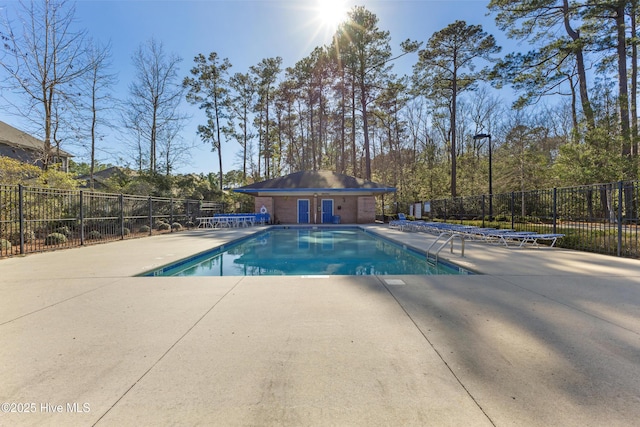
<point>451,237</point>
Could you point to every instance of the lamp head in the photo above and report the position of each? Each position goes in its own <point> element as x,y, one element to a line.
<point>481,135</point>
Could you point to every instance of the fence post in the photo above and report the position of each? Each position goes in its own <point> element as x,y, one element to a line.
<point>513,208</point>
<point>150,216</point>
<point>171,213</point>
<point>620,191</point>
<point>555,210</point>
<point>81,218</point>
<point>483,209</point>
<point>21,216</point>
<point>121,201</point>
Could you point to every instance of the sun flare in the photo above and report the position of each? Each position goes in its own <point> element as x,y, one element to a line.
<point>331,12</point>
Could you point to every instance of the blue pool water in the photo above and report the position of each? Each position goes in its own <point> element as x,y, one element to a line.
<point>307,251</point>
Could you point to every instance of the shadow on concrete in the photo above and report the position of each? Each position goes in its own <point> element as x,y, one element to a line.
<point>529,348</point>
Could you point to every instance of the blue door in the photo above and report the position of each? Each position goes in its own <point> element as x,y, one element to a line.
<point>327,211</point>
<point>303,211</point>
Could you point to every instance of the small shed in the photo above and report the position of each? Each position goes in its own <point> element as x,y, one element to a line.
<point>317,197</point>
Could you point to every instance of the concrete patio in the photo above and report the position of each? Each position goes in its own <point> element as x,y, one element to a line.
<point>542,337</point>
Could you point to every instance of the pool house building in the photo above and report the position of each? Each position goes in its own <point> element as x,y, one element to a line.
<point>316,197</point>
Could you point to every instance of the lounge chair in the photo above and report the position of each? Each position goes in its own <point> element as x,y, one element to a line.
<point>206,222</point>
<point>478,233</point>
<point>400,222</point>
<point>523,238</point>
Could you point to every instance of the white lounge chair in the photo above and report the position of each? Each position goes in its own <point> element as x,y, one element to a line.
<point>400,222</point>
<point>522,238</point>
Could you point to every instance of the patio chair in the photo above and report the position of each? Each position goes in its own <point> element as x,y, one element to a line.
<point>400,222</point>
<point>534,237</point>
<point>501,236</point>
<point>522,238</point>
<point>206,222</point>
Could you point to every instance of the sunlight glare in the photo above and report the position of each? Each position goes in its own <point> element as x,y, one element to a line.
<point>331,12</point>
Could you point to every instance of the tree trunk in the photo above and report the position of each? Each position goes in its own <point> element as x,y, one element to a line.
<point>267,148</point>
<point>215,105</point>
<point>582,75</point>
<point>365,129</point>
<point>94,120</point>
<point>353,127</point>
<point>152,150</point>
<point>575,133</point>
<point>623,87</point>
<point>634,89</point>
<point>454,89</point>
<point>245,138</point>
<point>342,122</point>
<point>314,165</point>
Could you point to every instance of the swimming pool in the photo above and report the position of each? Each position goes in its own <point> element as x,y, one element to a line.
<point>307,251</point>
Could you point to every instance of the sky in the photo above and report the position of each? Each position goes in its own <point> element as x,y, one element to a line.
<point>245,32</point>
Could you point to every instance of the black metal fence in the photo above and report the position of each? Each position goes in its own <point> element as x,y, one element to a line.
<point>601,218</point>
<point>40,219</point>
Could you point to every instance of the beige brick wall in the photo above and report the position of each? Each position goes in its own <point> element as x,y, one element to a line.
<point>366,210</point>
<point>348,211</point>
<point>267,202</point>
<point>286,209</point>
<point>352,209</point>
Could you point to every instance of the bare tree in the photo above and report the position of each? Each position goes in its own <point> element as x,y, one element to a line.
<point>172,148</point>
<point>154,96</point>
<point>135,142</point>
<point>43,58</point>
<point>99,100</point>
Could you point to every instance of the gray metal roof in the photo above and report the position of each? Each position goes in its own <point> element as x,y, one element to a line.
<point>16,138</point>
<point>315,181</point>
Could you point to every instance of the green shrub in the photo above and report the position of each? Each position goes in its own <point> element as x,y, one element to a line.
<point>126,231</point>
<point>94,235</point>
<point>176,226</point>
<point>5,245</point>
<point>189,224</point>
<point>159,223</point>
<point>55,239</point>
<point>64,230</point>
<point>163,226</point>
<point>14,172</point>
<point>29,236</point>
<point>144,229</point>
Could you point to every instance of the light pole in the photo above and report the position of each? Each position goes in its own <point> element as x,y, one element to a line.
<point>482,136</point>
